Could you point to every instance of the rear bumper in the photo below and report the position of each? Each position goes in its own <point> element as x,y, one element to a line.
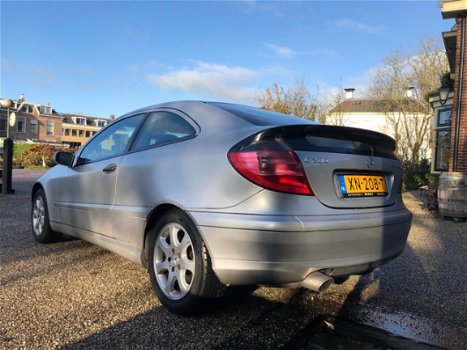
<point>258,249</point>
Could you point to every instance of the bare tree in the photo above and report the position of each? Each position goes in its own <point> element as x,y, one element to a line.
<point>336,114</point>
<point>295,99</point>
<point>409,117</point>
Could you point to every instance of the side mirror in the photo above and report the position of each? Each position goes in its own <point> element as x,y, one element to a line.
<point>63,158</point>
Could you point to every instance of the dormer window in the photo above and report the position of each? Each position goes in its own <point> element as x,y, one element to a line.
<point>45,109</point>
<point>100,123</point>
<point>27,109</point>
<point>80,121</point>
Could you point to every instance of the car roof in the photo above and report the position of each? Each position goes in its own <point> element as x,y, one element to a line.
<point>226,115</point>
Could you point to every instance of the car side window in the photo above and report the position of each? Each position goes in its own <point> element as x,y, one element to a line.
<point>162,128</point>
<point>111,142</point>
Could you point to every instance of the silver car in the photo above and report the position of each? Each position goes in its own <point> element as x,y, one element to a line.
<point>207,195</point>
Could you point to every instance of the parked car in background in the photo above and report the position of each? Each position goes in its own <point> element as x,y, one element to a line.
<point>207,195</point>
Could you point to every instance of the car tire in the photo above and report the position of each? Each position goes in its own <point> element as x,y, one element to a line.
<point>179,265</point>
<point>41,230</point>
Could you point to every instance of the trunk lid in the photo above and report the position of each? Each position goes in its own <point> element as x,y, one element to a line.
<point>346,167</point>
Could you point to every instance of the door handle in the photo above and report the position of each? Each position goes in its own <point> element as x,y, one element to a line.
<point>109,168</point>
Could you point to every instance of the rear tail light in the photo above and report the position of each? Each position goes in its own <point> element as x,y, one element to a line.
<point>272,165</point>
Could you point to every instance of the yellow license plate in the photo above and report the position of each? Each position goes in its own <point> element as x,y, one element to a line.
<point>362,185</point>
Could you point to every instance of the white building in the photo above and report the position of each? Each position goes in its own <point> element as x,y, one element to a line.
<point>385,117</point>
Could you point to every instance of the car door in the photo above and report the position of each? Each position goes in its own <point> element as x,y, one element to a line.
<point>145,173</point>
<point>86,192</point>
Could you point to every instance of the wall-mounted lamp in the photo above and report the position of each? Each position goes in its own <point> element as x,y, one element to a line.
<point>443,92</point>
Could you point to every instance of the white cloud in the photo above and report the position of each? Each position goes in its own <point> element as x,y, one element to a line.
<point>322,51</point>
<point>281,50</point>
<point>38,75</point>
<point>210,79</point>
<point>360,82</point>
<point>275,71</point>
<point>351,24</point>
<point>86,78</point>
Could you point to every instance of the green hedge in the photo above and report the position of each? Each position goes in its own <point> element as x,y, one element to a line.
<point>33,156</point>
<point>19,148</point>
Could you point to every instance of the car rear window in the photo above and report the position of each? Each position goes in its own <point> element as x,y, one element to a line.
<point>261,117</point>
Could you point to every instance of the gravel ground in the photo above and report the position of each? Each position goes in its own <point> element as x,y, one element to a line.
<point>73,295</point>
<point>422,293</point>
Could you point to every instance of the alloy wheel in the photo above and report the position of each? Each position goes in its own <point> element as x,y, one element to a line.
<point>174,261</point>
<point>38,216</point>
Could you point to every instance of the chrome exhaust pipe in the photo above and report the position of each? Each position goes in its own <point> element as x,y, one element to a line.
<point>317,281</point>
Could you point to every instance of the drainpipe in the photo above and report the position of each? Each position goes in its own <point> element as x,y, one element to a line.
<point>459,94</point>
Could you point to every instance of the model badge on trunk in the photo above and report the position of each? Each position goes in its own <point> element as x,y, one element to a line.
<point>316,160</point>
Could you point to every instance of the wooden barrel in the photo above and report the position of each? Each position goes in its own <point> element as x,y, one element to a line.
<point>452,195</point>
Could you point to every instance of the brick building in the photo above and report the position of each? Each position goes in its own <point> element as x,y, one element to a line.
<point>36,123</point>
<point>456,49</point>
<point>78,128</point>
<point>450,117</point>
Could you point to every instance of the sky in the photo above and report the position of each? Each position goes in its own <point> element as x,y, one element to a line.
<point>111,57</point>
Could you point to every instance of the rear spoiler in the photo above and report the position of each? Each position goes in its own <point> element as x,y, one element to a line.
<point>334,139</point>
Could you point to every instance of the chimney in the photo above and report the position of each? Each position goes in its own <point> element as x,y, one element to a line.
<point>21,98</point>
<point>409,91</point>
<point>349,93</point>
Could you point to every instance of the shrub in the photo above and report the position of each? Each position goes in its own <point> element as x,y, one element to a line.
<point>416,174</point>
<point>39,156</point>
<point>18,150</point>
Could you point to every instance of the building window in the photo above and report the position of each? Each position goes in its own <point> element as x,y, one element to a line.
<point>2,124</point>
<point>73,132</point>
<point>100,123</point>
<point>33,126</point>
<point>50,128</point>
<point>21,125</point>
<point>442,139</point>
<point>66,132</point>
<point>444,117</point>
<point>45,109</point>
<point>27,109</point>
<point>81,133</point>
<point>81,121</point>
